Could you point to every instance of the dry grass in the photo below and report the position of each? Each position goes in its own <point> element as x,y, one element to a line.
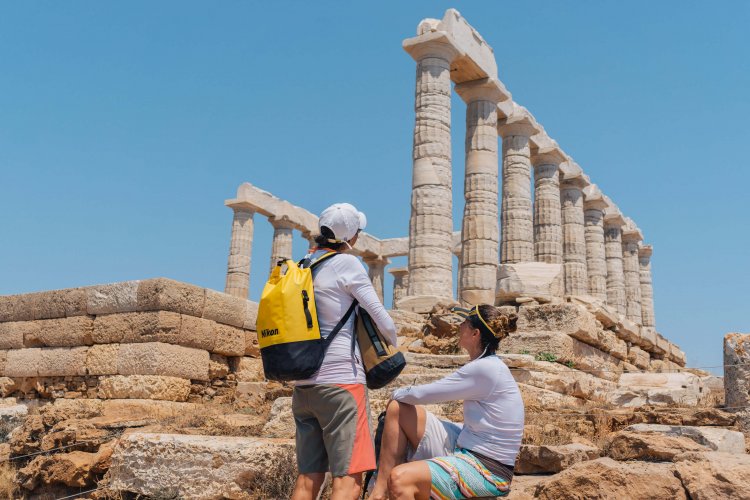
<point>8,485</point>
<point>278,482</point>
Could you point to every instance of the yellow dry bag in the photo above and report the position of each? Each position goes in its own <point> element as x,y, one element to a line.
<point>291,345</point>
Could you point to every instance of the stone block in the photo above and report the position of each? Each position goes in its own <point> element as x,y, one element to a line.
<point>143,387</point>
<point>251,344</point>
<point>638,357</point>
<point>225,309</point>
<point>53,304</point>
<point>112,298</point>
<point>717,439</point>
<point>46,362</point>
<point>194,466</point>
<point>161,294</point>
<point>624,445</point>
<point>628,331</point>
<point>551,459</point>
<point>22,362</point>
<point>647,339</point>
<point>251,315</point>
<point>218,366</point>
<point>230,341</point>
<point>101,359</point>
<point>614,346</point>
<point>676,355</point>
<point>661,346</point>
<point>156,358</point>
<point>561,379</point>
<point>12,333</point>
<point>3,363</point>
<point>197,332</point>
<point>538,398</point>
<point>126,328</point>
<point>710,475</point>
<point>62,332</point>
<point>247,369</point>
<point>537,280</point>
<point>572,319</point>
<point>737,370</point>
<point>682,389</point>
<point>566,350</point>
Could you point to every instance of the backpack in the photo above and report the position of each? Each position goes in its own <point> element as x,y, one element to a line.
<point>383,362</point>
<point>291,346</point>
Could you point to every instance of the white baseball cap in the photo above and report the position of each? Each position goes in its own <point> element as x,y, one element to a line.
<point>343,220</point>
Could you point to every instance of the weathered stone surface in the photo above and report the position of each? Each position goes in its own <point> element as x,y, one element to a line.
<point>201,467</point>
<point>737,374</point>
<point>251,315</point>
<point>225,309</point>
<point>101,359</point>
<point>565,318</point>
<point>636,389</point>
<point>112,298</point>
<point>156,358</point>
<point>538,280</point>
<point>536,397</point>
<point>523,487</point>
<point>651,447</point>
<point>218,366</point>
<point>712,475</point>
<point>62,332</point>
<point>408,324</point>
<point>611,344</point>
<point>230,341</point>
<point>46,362</point>
<point>12,333</point>
<point>251,344</point>
<point>280,421</point>
<point>559,378</point>
<point>605,478</point>
<point>43,305</point>
<point>717,439</point>
<point>76,469</point>
<point>550,459</point>
<point>638,357</point>
<point>143,387</point>
<point>161,294</point>
<point>565,349</point>
<point>247,369</point>
<point>157,326</point>
<point>240,249</point>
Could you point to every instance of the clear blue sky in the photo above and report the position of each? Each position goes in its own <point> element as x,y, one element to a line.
<point>124,127</point>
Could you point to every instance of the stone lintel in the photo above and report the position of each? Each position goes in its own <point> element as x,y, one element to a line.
<point>478,59</point>
<point>571,174</point>
<point>593,199</point>
<point>631,232</point>
<point>518,122</point>
<point>612,215</point>
<point>547,154</point>
<point>485,89</point>
<point>437,44</point>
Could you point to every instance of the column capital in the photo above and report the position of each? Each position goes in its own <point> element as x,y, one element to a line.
<point>571,175</point>
<point>517,122</point>
<point>484,89</point>
<point>398,271</point>
<point>433,44</point>
<point>593,199</point>
<point>549,154</point>
<point>645,252</point>
<point>281,223</point>
<point>612,215</point>
<point>631,232</point>
<point>242,207</point>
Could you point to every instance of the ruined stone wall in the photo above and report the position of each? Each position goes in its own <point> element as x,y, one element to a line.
<point>152,339</point>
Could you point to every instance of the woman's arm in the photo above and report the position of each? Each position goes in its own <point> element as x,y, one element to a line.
<point>471,382</point>
<point>360,286</point>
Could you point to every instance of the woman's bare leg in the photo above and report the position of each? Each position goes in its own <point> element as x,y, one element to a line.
<point>308,485</point>
<point>404,423</point>
<point>411,481</point>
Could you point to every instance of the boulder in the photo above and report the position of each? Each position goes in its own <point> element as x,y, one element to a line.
<point>624,445</point>
<point>716,439</point>
<point>537,280</point>
<point>201,467</point>
<point>550,459</point>
<point>76,469</point>
<point>605,478</point>
<point>712,475</point>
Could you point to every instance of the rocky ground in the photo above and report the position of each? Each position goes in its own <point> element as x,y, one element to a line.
<point>588,434</point>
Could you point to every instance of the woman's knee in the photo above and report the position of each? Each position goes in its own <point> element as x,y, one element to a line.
<point>398,480</point>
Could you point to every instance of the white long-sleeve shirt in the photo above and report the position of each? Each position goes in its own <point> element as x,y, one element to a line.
<point>493,408</point>
<point>337,281</point>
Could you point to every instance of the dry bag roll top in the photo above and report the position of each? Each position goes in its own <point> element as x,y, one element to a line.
<point>382,361</point>
<point>291,346</point>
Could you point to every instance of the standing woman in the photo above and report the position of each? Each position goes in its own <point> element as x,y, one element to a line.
<point>447,460</point>
<point>330,409</point>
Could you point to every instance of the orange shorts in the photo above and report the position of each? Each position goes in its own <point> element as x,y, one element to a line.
<point>333,429</point>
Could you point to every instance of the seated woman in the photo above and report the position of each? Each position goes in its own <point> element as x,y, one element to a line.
<point>446,460</point>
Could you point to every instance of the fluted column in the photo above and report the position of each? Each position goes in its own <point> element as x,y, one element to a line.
<point>516,216</point>
<point>613,222</point>
<point>431,221</point>
<point>548,246</point>
<point>240,251</point>
<point>479,227</point>
<point>647,290</point>
<point>572,182</point>
<point>376,272</point>
<point>631,238</point>
<point>400,283</point>
<point>283,237</point>
<point>596,260</point>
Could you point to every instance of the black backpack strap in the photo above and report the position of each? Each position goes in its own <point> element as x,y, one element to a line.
<point>327,341</point>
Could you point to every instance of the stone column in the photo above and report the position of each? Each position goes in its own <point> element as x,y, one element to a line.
<point>572,182</point>
<point>479,229</point>
<point>596,260</point>
<point>516,216</point>
<point>613,222</point>
<point>240,251</point>
<point>548,246</point>
<point>631,238</point>
<point>400,283</point>
<point>376,272</point>
<point>281,247</point>
<point>431,220</point>
<point>647,290</point>
<point>737,377</point>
